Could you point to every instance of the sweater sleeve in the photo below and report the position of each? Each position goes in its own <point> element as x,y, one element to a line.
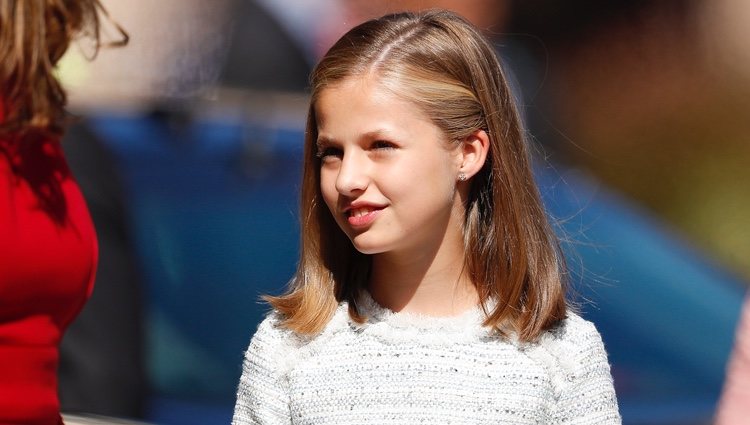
<point>588,396</point>
<point>262,397</point>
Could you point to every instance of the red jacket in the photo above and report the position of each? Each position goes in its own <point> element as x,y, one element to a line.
<point>48,257</point>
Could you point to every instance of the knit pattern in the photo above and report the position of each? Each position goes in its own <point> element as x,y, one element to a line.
<point>407,369</point>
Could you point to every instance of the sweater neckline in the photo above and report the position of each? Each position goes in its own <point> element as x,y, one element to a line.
<point>468,323</point>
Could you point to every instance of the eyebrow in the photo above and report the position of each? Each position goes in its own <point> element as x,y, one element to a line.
<point>324,141</point>
<point>370,135</point>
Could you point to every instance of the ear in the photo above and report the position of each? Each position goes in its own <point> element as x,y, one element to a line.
<point>474,150</point>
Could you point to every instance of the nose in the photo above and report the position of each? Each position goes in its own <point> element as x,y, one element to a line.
<point>352,177</point>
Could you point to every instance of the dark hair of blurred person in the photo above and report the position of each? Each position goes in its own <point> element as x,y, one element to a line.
<point>48,247</point>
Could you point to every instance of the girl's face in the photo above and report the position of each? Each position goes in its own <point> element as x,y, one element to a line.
<point>387,174</point>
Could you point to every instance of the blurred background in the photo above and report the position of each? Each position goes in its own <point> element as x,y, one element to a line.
<point>188,148</point>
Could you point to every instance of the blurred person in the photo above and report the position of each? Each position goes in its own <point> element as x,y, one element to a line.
<point>734,405</point>
<point>48,246</point>
<point>283,33</point>
<point>430,287</point>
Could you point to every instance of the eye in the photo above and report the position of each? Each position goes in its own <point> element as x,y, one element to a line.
<point>382,145</point>
<point>328,152</point>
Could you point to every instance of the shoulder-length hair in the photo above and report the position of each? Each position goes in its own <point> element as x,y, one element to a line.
<point>34,35</point>
<point>442,64</point>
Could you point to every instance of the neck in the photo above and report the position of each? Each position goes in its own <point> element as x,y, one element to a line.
<point>429,284</point>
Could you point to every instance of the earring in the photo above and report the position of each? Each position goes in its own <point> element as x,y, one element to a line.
<point>462,177</point>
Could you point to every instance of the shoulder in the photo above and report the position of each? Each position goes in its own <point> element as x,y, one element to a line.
<point>276,350</point>
<point>270,352</point>
<point>570,351</point>
<point>581,377</point>
<point>272,334</point>
<point>270,325</point>
<point>577,343</point>
<point>575,335</point>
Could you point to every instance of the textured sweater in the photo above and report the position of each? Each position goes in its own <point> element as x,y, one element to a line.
<point>401,368</point>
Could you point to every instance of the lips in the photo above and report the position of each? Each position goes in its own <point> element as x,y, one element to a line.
<point>359,212</point>
<point>362,215</point>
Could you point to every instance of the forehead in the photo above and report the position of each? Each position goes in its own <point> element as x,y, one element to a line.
<point>364,101</point>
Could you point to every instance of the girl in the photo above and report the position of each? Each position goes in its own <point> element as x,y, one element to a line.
<point>430,287</point>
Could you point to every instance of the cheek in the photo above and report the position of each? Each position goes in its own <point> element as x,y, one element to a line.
<point>433,174</point>
<point>328,189</point>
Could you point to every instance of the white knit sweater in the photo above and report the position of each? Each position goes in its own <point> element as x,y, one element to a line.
<point>405,369</point>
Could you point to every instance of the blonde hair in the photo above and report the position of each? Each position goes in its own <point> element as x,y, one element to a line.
<point>442,64</point>
<point>34,35</point>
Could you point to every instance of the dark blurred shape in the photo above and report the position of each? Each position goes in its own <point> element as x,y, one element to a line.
<point>557,21</point>
<point>262,56</point>
<point>101,357</point>
<point>543,37</point>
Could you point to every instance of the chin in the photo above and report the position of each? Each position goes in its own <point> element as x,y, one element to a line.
<point>367,247</point>
<point>368,250</point>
